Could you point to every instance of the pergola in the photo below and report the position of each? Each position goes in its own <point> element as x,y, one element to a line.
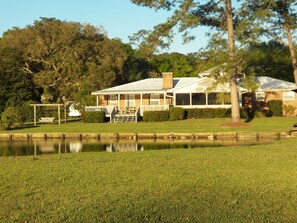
<point>50,105</point>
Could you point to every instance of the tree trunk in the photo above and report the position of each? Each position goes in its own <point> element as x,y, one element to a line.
<point>292,52</point>
<point>233,80</point>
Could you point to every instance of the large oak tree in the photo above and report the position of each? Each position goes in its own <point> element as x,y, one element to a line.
<point>66,58</point>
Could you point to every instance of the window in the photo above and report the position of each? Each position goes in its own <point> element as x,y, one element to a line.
<point>130,100</point>
<point>198,99</point>
<point>182,99</point>
<point>154,99</point>
<point>288,95</point>
<point>113,99</point>
<point>259,96</point>
<point>212,98</point>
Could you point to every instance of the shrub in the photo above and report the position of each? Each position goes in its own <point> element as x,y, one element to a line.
<point>155,116</point>
<point>11,117</point>
<point>289,110</point>
<point>93,117</point>
<point>197,113</point>
<point>275,107</point>
<point>257,113</point>
<point>176,113</point>
<point>27,111</point>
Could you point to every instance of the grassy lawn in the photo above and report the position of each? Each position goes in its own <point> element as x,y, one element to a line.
<point>243,184</point>
<point>194,125</point>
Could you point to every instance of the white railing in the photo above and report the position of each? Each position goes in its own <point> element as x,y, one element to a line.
<point>95,108</point>
<point>108,109</point>
<point>144,108</point>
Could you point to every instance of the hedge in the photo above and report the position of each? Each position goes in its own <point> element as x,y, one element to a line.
<point>275,107</point>
<point>93,117</point>
<point>176,113</point>
<point>196,113</point>
<point>155,116</point>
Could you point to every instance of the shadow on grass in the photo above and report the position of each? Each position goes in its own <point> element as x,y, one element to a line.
<point>73,120</point>
<point>25,126</point>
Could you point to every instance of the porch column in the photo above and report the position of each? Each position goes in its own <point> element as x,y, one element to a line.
<point>191,98</point>
<point>164,101</point>
<point>119,102</point>
<point>174,99</point>
<point>97,100</point>
<point>206,99</point>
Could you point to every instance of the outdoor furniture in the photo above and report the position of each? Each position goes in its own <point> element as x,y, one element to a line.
<point>46,120</point>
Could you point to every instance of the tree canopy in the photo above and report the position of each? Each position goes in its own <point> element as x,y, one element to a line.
<point>278,19</point>
<point>66,59</point>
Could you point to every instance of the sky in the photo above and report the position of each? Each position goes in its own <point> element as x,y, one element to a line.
<point>119,18</point>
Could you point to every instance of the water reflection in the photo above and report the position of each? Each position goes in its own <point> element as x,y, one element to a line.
<point>43,147</point>
<point>124,147</point>
<point>75,147</point>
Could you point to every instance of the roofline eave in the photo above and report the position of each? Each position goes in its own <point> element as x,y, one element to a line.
<point>129,92</point>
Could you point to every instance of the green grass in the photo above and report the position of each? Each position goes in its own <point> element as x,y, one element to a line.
<point>244,184</point>
<point>194,125</point>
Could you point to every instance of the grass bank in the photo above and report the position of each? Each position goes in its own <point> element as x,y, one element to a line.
<point>276,124</point>
<point>244,184</point>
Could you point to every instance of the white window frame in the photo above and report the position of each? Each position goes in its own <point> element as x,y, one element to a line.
<point>154,99</point>
<point>113,99</point>
<point>288,95</point>
<point>130,100</point>
<point>260,96</point>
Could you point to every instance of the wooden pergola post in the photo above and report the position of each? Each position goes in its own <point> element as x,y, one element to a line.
<point>49,105</point>
<point>65,115</point>
<point>59,114</point>
<point>34,114</point>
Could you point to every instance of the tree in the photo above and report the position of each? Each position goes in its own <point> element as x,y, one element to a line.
<point>66,59</point>
<point>187,15</point>
<point>270,59</point>
<point>277,17</point>
<point>179,64</point>
<point>135,67</point>
<point>15,87</point>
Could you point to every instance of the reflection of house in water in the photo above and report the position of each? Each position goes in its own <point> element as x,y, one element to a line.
<point>75,147</point>
<point>123,147</point>
<point>46,147</point>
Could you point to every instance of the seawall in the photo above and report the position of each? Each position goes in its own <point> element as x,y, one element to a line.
<point>151,136</point>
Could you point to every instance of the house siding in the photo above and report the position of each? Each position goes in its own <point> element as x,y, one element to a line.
<point>279,96</point>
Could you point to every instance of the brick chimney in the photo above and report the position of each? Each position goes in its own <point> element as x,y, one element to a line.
<point>167,80</point>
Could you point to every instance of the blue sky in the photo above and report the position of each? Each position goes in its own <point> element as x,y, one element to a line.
<point>120,18</point>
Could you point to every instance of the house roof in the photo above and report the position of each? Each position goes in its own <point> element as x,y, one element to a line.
<point>155,85</point>
<point>268,83</point>
<point>149,85</point>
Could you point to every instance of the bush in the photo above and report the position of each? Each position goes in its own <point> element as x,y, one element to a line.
<point>289,110</point>
<point>176,113</point>
<point>275,107</point>
<point>257,113</point>
<point>93,117</point>
<point>28,111</point>
<point>11,117</point>
<point>155,116</point>
<point>197,113</point>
